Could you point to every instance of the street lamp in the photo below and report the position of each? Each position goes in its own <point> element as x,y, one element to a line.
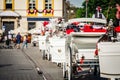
<point>86,7</point>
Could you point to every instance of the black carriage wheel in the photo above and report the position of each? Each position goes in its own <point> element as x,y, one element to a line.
<point>70,64</point>
<point>96,71</point>
<point>43,55</point>
<point>34,44</point>
<point>49,59</point>
<point>65,75</point>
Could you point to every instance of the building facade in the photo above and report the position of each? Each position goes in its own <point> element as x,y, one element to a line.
<point>29,14</point>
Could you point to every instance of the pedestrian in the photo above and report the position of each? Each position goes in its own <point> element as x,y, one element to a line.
<point>25,41</point>
<point>7,43</point>
<point>15,43</point>
<point>0,37</point>
<point>117,22</point>
<point>9,37</point>
<point>18,40</point>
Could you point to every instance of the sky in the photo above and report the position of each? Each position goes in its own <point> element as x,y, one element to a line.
<point>76,3</point>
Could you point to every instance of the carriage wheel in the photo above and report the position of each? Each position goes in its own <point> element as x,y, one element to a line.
<point>34,44</point>
<point>43,55</point>
<point>96,70</point>
<point>65,73</point>
<point>69,73</point>
<point>49,58</point>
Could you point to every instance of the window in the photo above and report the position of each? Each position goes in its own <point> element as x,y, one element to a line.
<point>8,4</point>
<point>32,4</point>
<point>31,25</point>
<point>48,4</point>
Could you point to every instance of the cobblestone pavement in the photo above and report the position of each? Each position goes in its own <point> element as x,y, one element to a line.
<point>21,64</point>
<point>15,66</point>
<point>50,70</point>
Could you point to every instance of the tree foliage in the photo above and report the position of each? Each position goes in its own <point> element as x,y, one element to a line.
<point>80,13</point>
<point>108,8</point>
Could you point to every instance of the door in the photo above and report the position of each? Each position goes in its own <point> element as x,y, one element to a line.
<point>8,26</point>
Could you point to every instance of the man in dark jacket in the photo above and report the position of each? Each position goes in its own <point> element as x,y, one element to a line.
<point>18,40</point>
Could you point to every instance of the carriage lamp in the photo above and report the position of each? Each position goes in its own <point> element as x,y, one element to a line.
<point>59,50</point>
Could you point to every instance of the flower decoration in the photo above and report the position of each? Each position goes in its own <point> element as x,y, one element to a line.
<point>32,11</point>
<point>52,11</point>
<point>45,11</point>
<point>35,11</point>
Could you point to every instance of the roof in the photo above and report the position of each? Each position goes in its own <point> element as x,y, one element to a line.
<point>9,14</point>
<point>88,20</point>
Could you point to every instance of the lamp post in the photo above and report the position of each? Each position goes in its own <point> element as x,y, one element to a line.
<point>86,7</point>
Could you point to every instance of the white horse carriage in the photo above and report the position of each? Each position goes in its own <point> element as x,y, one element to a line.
<point>80,51</point>
<point>57,50</point>
<point>43,45</point>
<point>109,56</point>
<point>54,45</point>
<point>45,42</point>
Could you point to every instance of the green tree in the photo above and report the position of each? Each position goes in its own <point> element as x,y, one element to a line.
<point>80,12</point>
<point>108,8</point>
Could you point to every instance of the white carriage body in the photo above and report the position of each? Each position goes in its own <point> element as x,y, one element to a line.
<point>57,49</point>
<point>42,42</point>
<point>88,20</point>
<point>109,59</point>
<point>77,46</point>
<point>87,53</point>
<point>86,45</point>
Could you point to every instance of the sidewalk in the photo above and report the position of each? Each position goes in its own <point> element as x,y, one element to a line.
<point>50,70</point>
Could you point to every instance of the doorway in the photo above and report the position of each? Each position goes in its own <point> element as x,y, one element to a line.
<point>8,26</point>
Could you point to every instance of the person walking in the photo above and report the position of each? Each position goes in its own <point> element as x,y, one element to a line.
<point>9,38</point>
<point>0,37</point>
<point>18,40</point>
<point>25,39</point>
<point>7,42</point>
<point>117,21</point>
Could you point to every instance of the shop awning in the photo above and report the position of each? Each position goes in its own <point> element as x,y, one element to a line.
<point>9,14</point>
<point>22,30</point>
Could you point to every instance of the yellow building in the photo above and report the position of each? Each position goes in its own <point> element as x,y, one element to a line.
<point>28,14</point>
